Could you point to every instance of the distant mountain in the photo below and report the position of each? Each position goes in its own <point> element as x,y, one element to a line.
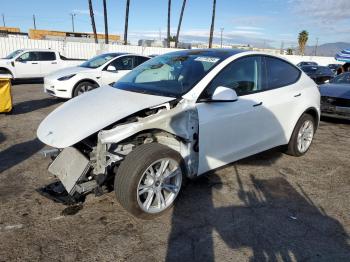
<point>329,49</point>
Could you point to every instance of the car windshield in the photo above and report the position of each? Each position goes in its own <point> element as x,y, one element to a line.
<point>14,54</point>
<point>341,79</point>
<point>171,74</point>
<point>309,69</point>
<point>97,61</point>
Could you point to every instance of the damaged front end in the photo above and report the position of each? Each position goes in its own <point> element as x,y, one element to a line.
<point>91,164</point>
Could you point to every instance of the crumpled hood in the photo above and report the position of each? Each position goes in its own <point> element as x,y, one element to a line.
<point>335,90</point>
<point>68,71</point>
<point>85,115</point>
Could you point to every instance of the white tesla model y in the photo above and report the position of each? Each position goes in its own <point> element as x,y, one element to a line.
<point>179,114</point>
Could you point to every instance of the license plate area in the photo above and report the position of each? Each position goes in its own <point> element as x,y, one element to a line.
<point>69,167</point>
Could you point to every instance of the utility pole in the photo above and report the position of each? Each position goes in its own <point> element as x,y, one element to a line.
<point>34,22</point>
<point>316,46</point>
<point>221,30</point>
<point>106,20</point>
<point>73,15</point>
<point>3,20</point>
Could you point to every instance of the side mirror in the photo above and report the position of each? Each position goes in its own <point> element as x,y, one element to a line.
<point>224,94</point>
<point>111,68</point>
<point>19,59</point>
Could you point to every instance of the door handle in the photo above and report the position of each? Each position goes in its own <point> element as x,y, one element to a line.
<point>54,63</point>
<point>258,104</point>
<point>297,95</point>
<point>34,63</point>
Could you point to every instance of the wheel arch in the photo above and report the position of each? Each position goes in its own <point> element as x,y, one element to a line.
<point>6,70</point>
<point>84,80</point>
<point>314,113</point>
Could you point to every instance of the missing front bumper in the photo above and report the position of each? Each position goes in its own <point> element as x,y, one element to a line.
<point>70,167</point>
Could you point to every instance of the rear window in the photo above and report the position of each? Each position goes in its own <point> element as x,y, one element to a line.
<point>280,73</point>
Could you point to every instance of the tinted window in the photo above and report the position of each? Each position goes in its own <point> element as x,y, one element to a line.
<point>139,60</point>
<point>28,56</point>
<point>47,56</point>
<point>245,76</point>
<point>280,73</point>
<point>123,63</point>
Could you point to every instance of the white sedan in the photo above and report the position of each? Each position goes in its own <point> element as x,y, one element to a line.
<point>179,114</point>
<point>101,70</point>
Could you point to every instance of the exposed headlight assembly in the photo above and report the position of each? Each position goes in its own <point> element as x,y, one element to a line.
<point>66,77</point>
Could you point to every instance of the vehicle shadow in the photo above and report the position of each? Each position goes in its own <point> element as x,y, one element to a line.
<point>27,81</point>
<point>265,219</point>
<point>335,120</point>
<point>18,153</point>
<point>2,137</point>
<point>33,105</point>
<point>274,223</point>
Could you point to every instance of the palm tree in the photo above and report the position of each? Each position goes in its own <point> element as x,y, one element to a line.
<point>302,39</point>
<point>126,22</point>
<point>180,21</point>
<point>168,34</point>
<point>93,20</point>
<point>106,20</point>
<point>212,25</point>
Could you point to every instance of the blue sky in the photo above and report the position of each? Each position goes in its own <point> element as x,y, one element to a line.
<point>256,22</point>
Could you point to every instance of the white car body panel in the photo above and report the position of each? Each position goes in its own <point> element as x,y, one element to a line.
<point>86,114</point>
<point>65,88</point>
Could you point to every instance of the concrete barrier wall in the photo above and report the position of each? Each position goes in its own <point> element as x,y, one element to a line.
<point>88,50</point>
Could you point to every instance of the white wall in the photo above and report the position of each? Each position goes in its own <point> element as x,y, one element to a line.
<point>321,60</point>
<point>75,49</point>
<point>88,50</point>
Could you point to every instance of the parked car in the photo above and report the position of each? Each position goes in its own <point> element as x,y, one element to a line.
<point>307,63</point>
<point>335,97</point>
<point>334,67</point>
<point>320,74</point>
<point>98,71</point>
<point>34,63</point>
<point>179,114</point>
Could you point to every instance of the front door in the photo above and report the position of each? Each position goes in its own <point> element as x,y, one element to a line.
<point>229,131</point>
<point>27,65</point>
<point>117,69</point>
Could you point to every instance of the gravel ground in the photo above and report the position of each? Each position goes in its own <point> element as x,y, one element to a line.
<point>269,207</point>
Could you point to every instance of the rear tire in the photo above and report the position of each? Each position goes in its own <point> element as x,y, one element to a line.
<point>140,185</point>
<point>83,87</point>
<point>302,136</point>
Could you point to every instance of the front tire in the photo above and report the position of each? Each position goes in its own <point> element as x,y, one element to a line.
<point>302,136</point>
<point>149,180</point>
<point>83,87</point>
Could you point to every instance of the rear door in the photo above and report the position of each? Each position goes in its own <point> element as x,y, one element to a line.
<point>282,97</point>
<point>48,62</point>
<point>27,65</point>
<point>117,69</point>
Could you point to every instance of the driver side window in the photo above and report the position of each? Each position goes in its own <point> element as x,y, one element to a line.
<point>123,63</point>
<point>246,76</point>
<point>29,56</point>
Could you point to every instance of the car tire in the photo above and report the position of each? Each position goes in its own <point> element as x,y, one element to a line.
<point>302,136</point>
<point>143,194</point>
<point>83,87</point>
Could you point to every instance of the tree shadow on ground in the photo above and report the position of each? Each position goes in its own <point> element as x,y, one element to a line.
<point>275,222</point>
<point>16,154</point>
<point>33,105</point>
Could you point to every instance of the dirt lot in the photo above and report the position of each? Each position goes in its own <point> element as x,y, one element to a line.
<point>270,207</point>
